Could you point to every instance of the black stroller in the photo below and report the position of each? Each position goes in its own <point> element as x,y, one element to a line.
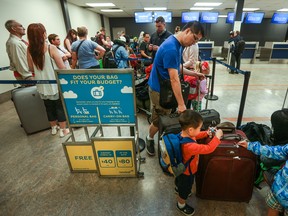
<point>142,97</point>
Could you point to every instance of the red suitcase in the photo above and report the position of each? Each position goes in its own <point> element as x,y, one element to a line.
<point>228,173</point>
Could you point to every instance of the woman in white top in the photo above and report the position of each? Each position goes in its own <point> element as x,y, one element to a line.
<point>55,40</point>
<point>42,59</point>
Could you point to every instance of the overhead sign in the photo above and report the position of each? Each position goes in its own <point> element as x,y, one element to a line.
<point>95,97</point>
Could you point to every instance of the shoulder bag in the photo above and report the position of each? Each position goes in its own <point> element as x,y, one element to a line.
<point>167,97</point>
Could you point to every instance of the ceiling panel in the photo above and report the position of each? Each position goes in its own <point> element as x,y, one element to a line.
<point>177,6</point>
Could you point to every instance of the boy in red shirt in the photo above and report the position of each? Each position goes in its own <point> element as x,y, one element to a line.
<point>191,123</point>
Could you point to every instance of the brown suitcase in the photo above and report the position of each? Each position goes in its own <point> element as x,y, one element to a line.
<point>228,173</point>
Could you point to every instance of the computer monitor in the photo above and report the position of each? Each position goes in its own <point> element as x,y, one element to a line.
<point>231,17</point>
<point>167,15</point>
<point>209,17</point>
<point>143,17</point>
<point>190,16</point>
<point>254,18</point>
<point>279,18</point>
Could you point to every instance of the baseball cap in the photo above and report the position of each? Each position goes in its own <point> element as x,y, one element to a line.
<point>122,38</point>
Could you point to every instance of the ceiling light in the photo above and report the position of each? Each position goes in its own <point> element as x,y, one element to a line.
<point>250,9</point>
<point>112,10</point>
<point>222,15</point>
<point>205,4</point>
<point>283,9</point>
<point>201,8</point>
<point>155,8</point>
<point>100,4</point>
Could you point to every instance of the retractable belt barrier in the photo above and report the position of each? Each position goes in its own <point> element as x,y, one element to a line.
<point>209,97</point>
<point>244,90</point>
<point>4,68</point>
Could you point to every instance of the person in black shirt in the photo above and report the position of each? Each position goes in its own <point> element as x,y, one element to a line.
<point>158,37</point>
<point>146,49</point>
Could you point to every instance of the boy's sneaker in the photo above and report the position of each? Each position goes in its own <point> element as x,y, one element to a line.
<point>54,130</point>
<point>150,147</point>
<point>186,210</point>
<point>176,191</point>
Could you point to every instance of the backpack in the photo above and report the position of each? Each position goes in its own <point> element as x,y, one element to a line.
<point>279,122</point>
<point>258,132</point>
<point>109,60</point>
<point>240,46</point>
<point>171,159</point>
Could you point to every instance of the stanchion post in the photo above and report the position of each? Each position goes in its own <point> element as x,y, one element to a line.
<point>141,142</point>
<point>211,96</point>
<point>243,97</point>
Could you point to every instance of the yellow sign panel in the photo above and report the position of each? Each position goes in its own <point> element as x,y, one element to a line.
<point>81,157</point>
<point>115,157</point>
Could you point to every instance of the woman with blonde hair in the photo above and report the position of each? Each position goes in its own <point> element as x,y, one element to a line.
<point>42,59</point>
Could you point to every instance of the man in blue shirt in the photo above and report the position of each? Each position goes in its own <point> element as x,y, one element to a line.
<point>168,64</point>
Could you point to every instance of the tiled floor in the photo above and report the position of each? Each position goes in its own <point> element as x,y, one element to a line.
<point>35,178</point>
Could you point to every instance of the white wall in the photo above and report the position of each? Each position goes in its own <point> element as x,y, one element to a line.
<point>47,12</point>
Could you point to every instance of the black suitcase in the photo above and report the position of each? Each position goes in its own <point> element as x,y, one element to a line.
<point>210,118</point>
<point>30,109</point>
<point>228,173</point>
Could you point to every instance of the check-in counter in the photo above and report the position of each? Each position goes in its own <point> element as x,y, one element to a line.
<point>205,49</point>
<point>249,52</point>
<point>278,50</point>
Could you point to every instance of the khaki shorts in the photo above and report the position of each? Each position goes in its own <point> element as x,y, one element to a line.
<point>272,202</point>
<point>156,109</point>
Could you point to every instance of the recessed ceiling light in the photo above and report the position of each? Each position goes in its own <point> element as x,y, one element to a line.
<point>250,9</point>
<point>283,9</point>
<point>205,4</point>
<point>112,10</point>
<point>222,15</point>
<point>201,8</point>
<point>154,8</point>
<point>100,4</point>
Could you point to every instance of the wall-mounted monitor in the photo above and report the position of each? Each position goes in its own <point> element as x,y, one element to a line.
<point>209,17</point>
<point>143,17</point>
<point>231,16</point>
<point>190,16</point>
<point>254,18</point>
<point>279,18</point>
<point>165,14</point>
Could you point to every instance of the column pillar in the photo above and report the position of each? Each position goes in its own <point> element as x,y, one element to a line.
<point>238,15</point>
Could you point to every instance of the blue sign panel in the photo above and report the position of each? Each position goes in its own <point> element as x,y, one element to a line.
<point>143,17</point>
<point>190,16</point>
<point>167,15</point>
<point>98,98</point>
<point>279,18</point>
<point>209,17</point>
<point>254,18</point>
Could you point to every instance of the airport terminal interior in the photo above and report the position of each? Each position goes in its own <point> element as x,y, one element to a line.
<point>36,175</point>
<point>36,180</point>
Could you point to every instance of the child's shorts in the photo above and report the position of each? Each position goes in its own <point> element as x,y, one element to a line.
<point>272,202</point>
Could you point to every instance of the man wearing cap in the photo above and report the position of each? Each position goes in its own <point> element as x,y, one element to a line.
<point>16,49</point>
<point>158,37</point>
<point>120,52</point>
<point>167,64</point>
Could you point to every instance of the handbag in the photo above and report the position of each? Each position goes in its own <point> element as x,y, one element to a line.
<point>167,98</point>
